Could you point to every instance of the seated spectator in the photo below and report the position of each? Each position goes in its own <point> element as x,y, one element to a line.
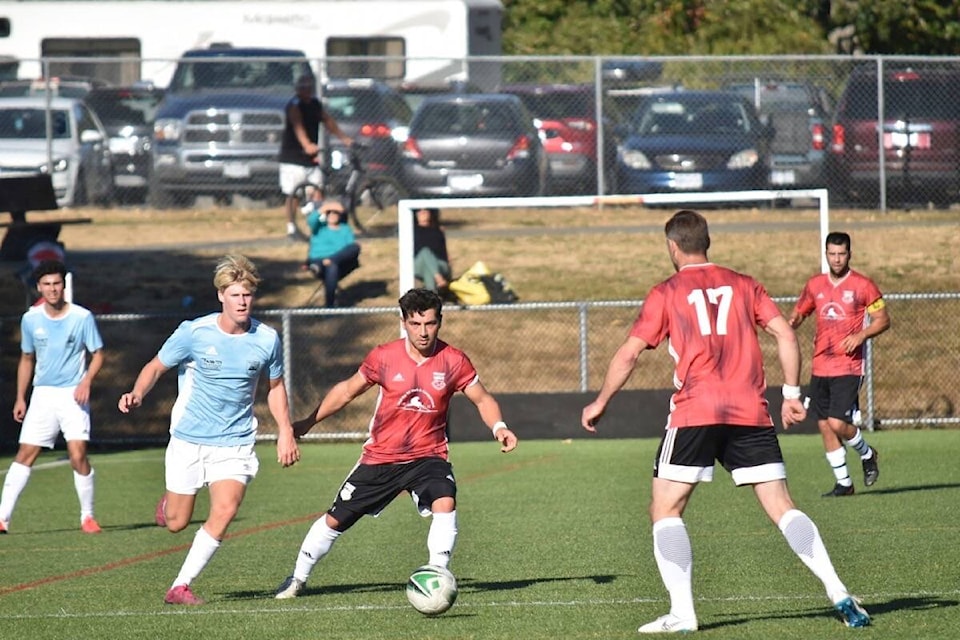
<point>333,251</point>
<point>431,263</point>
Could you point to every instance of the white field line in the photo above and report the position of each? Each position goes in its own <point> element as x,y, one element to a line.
<point>53,464</point>
<point>211,611</point>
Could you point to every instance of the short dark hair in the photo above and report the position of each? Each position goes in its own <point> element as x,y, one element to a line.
<point>689,230</point>
<point>838,238</point>
<point>48,267</point>
<point>420,301</point>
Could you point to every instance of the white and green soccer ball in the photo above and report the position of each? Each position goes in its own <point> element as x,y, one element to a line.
<point>431,590</point>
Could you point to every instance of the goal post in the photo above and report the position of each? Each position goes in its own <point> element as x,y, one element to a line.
<point>407,207</point>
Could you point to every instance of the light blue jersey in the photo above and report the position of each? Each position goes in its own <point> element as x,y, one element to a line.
<point>60,345</point>
<point>218,375</point>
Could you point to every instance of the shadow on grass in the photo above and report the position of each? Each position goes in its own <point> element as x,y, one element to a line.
<point>908,489</point>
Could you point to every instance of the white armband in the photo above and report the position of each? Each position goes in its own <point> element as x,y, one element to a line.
<point>498,426</point>
<point>791,392</point>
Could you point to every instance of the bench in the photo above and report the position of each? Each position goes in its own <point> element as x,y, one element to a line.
<point>20,194</point>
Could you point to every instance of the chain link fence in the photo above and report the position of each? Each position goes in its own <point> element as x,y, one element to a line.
<point>877,131</point>
<point>535,350</point>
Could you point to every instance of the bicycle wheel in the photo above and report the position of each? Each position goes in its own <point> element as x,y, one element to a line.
<point>376,203</point>
<point>304,192</point>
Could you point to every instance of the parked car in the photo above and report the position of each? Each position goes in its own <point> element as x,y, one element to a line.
<point>127,114</point>
<point>64,87</point>
<point>694,141</point>
<point>474,145</point>
<point>373,114</point>
<point>799,114</point>
<point>415,92</point>
<point>566,117</point>
<point>78,161</point>
<point>920,132</point>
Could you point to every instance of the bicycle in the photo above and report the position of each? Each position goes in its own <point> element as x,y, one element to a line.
<point>364,196</point>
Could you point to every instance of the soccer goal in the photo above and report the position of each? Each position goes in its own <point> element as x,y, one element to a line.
<point>406,209</point>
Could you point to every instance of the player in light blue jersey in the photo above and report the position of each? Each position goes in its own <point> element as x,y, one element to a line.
<point>56,338</point>
<point>220,358</point>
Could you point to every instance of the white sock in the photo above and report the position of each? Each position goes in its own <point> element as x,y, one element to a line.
<point>315,546</point>
<point>291,227</point>
<point>858,444</point>
<point>674,556</point>
<point>441,538</point>
<point>203,547</point>
<point>84,487</point>
<point>837,460</point>
<point>804,538</point>
<point>17,477</point>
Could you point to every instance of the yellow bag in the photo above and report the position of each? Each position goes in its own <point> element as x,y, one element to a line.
<point>478,285</point>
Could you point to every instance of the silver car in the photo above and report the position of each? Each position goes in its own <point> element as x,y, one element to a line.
<point>62,137</point>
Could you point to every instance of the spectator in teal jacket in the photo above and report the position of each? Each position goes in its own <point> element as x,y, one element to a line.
<point>334,251</point>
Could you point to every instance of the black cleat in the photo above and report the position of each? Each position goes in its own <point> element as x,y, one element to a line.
<point>870,469</point>
<point>838,491</point>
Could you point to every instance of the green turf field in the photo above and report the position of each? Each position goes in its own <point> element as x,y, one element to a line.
<point>554,543</point>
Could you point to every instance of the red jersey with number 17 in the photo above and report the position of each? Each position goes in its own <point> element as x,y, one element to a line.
<point>709,314</point>
<point>410,421</point>
<point>841,311</point>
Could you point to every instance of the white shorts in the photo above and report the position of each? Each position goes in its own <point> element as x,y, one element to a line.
<point>191,466</point>
<point>53,411</point>
<point>292,175</point>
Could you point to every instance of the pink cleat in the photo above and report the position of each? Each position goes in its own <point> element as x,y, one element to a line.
<point>159,516</point>
<point>3,527</point>
<point>89,525</point>
<point>181,594</point>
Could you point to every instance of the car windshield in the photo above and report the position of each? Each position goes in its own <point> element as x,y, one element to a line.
<point>236,74</point>
<point>775,98</point>
<point>352,107</point>
<point>29,124</point>
<point>559,105</point>
<point>123,108</point>
<point>466,119</point>
<point>670,117</point>
<point>921,98</point>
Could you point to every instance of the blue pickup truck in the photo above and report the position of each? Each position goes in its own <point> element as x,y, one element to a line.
<point>218,130</point>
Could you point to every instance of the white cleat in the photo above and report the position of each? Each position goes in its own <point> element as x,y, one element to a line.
<point>669,624</point>
<point>289,588</point>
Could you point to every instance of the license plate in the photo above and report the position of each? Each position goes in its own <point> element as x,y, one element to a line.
<point>236,170</point>
<point>130,181</point>
<point>783,176</point>
<point>465,183</point>
<point>902,139</point>
<point>687,181</point>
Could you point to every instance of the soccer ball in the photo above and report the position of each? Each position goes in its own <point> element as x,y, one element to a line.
<point>431,590</point>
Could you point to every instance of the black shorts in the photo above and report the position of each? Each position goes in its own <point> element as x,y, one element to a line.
<point>371,487</point>
<point>834,397</point>
<point>750,454</point>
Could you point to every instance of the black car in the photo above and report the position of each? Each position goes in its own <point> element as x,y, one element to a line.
<point>127,113</point>
<point>474,145</point>
<point>374,115</point>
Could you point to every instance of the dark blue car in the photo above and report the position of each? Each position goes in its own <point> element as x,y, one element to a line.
<point>687,141</point>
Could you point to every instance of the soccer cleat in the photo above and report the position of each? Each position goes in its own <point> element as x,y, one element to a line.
<point>158,515</point>
<point>289,588</point>
<point>870,469</point>
<point>181,594</point>
<point>89,525</point>
<point>4,527</point>
<point>853,614</point>
<point>838,491</point>
<point>669,624</point>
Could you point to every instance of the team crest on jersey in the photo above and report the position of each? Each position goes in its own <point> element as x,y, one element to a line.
<point>439,380</point>
<point>417,400</point>
<point>847,296</point>
<point>832,312</point>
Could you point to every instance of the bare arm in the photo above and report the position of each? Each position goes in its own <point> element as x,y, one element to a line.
<point>788,351</point>
<point>337,398</point>
<point>24,376</point>
<point>334,128</point>
<point>288,453</point>
<point>82,393</point>
<point>796,318</point>
<point>879,322</point>
<point>148,377</point>
<point>491,415</point>
<point>618,372</point>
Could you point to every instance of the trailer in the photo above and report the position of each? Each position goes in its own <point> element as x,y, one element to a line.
<point>128,41</point>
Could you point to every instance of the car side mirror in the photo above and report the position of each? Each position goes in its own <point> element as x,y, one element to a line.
<point>89,136</point>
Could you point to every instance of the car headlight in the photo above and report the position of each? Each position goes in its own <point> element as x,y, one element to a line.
<point>168,129</point>
<point>634,159</point>
<point>743,159</point>
<point>59,166</point>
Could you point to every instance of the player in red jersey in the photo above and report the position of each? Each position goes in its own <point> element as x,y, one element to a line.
<point>708,315</point>
<point>407,447</point>
<point>842,300</point>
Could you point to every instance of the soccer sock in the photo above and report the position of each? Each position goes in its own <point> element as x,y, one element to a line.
<point>441,538</point>
<point>315,546</point>
<point>291,227</point>
<point>838,462</point>
<point>84,487</point>
<point>674,556</point>
<point>804,538</point>
<point>203,547</point>
<point>17,477</point>
<point>858,444</point>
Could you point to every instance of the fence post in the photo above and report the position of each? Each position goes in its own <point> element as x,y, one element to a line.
<point>868,383</point>
<point>584,354</point>
<point>287,337</point>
